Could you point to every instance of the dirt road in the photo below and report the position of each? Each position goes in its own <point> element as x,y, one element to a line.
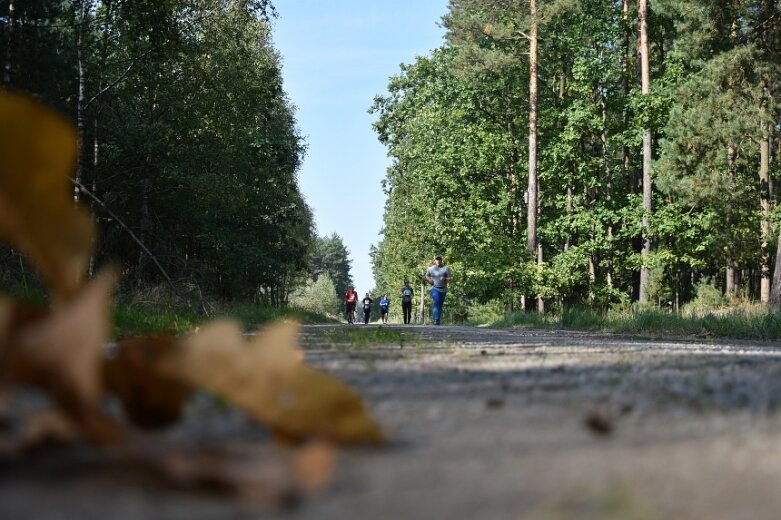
<point>496,424</point>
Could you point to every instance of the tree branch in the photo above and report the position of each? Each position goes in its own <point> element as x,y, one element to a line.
<point>117,80</point>
<point>113,215</point>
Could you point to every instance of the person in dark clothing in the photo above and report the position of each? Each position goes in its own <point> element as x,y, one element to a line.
<point>406,301</point>
<point>367,308</point>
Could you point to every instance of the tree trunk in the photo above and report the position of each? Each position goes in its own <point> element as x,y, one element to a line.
<point>421,307</point>
<point>775,291</point>
<point>608,187</point>
<point>764,203</point>
<point>627,162</point>
<point>645,79</point>
<point>532,245</point>
<point>730,284</point>
<point>80,10</point>
<point>9,53</point>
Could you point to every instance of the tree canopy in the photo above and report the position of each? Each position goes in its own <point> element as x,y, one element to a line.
<point>455,121</point>
<point>187,136</point>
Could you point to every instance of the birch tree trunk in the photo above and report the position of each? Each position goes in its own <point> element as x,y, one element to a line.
<point>730,284</point>
<point>764,203</point>
<point>645,81</point>
<point>775,291</point>
<point>80,10</point>
<point>9,53</point>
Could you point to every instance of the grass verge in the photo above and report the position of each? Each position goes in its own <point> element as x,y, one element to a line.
<point>745,323</point>
<point>358,337</point>
<point>138,319</point>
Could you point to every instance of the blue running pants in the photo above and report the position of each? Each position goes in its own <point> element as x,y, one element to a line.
<point>438,299</point>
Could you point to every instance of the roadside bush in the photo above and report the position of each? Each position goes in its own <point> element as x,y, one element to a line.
<point>707,297</point>
<point>318,297</point>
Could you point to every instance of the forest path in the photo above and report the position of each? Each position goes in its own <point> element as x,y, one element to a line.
<point>498,424</point>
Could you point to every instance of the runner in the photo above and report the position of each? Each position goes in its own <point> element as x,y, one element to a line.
<point>406,301</point>
<point>367,308</point>
<point>350,299</point>
<point>384,305</point>
<point>438,276</point>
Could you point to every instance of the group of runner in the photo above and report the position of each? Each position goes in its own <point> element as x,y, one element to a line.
<point>438,276</point>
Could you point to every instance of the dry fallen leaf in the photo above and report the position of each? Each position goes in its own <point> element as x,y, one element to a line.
<point>273,476</point>
<point>265,377</point>
<point>314,465</point>
<point>150,398</point>
<point>47,428</point>
<point>37,212</point>
<point>61,353</point>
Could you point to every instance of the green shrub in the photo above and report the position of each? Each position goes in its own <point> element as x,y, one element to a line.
<point>318,297</point>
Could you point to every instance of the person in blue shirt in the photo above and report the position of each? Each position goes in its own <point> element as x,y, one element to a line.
<point>438,275</point>
<point>384,305</point>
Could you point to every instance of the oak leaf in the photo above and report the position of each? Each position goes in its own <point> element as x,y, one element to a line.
<point>151,399</point>
<point>265,377</point>
<point>37,211</point>
<point>61,353</point>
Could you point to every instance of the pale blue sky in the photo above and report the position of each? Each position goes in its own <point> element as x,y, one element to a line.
<point>336,56</point>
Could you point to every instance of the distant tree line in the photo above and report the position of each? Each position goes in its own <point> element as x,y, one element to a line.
<point>187,137</point>
<point>588,152</point>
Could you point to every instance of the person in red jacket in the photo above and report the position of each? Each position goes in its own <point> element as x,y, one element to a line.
<point>350,300</point>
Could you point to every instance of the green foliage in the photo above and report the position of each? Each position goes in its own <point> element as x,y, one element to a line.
<point>317,296</point>
<point>133,319</point>
<point>331,258</point>
<point>196,141</point>
<point>707,297</point>
<point>456,123</point>
<point>750,323</point>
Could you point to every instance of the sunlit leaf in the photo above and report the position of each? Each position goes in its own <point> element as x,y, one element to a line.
<point>265,377</point>
<point>38,215</point>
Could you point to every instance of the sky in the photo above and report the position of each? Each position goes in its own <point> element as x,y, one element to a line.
<point>336,57</point>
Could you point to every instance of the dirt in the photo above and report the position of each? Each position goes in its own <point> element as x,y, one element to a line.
<point>495,424</point>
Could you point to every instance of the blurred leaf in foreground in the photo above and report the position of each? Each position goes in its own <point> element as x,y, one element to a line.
<point>37,212</point>
<point>61,352</point>
<point>150,398</point>
<point>265,377</point>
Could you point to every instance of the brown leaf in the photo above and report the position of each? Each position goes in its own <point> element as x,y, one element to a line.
<point>314,465</point>
<point>265,378</point>
<point>48,428</point>
<point>61,353</point>
<point>150,398</point>
<point>37,212</point>
<point>259,477</point>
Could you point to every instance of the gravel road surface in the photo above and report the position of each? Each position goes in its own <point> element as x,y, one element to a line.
<point>497,424</point>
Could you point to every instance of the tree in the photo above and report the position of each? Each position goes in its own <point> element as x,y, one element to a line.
<point>645,78</point>
<point>197,140</point>
<point>318,296</point>
<point>331,259</point>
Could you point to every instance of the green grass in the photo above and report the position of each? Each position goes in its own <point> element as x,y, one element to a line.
<point>754,322</point>
<point>137,319</point>
<point>358,337</point>
<point>133,320</point>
